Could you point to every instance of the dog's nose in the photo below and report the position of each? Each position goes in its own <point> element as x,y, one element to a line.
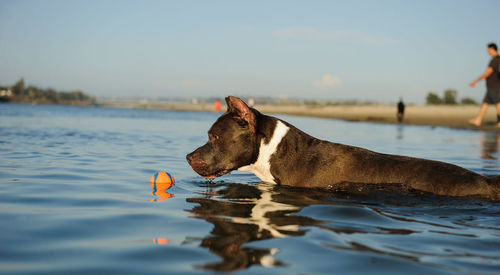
<point>189,157</point>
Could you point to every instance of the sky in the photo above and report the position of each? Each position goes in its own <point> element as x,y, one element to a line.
<point>334,50</point>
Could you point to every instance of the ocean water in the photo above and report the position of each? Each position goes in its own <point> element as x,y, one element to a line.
<point>75,198</point>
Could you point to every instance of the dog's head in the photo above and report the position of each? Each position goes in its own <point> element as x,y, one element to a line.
<point>232,142</point>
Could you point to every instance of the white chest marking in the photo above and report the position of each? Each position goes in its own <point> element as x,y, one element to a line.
<point>262,167</point>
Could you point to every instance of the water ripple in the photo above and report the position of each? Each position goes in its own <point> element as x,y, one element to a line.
<point>76,199</point>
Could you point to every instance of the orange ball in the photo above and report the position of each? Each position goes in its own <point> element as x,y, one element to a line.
<point>161,181</point>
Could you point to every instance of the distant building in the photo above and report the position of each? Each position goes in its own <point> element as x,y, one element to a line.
<point>5,95</point>
<point>251,102</point>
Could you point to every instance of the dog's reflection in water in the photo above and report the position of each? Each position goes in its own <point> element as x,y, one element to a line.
<point>244,213</point>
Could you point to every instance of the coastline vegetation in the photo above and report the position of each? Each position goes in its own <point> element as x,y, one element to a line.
<point>449,98</point>
<point>447,111</point>
<point>19,93</point>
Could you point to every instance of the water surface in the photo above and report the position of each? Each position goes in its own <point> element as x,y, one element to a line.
<point>75,198</point>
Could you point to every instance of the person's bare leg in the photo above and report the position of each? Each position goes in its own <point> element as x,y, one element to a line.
<point>498,115</point>
<point>477,121</point>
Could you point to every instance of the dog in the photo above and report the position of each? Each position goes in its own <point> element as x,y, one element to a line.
<point>275,151</point>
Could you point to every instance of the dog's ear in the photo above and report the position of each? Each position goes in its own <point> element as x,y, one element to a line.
<point>242,112</point>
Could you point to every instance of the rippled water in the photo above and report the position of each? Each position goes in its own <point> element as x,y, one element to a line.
<point>75,198</point>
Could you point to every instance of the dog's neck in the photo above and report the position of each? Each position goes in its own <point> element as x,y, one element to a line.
<point>262,167</point>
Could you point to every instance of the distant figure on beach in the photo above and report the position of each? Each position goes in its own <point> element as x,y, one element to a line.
<point>217,106</point>
<point>492,77</point>
<point>401,110</point>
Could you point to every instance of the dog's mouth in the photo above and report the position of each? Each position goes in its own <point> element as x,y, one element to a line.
<point>200,166</point>
<point>216,174</point>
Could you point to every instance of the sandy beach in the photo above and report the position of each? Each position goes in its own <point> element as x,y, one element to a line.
<point>455,116</point>
<point>441,115</point>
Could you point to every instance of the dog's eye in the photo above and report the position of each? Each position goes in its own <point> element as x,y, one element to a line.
<point>213,137</point>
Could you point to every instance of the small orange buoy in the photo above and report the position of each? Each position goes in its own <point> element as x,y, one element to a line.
<point>161,181</point>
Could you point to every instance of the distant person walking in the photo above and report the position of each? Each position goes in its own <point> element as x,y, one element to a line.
<point>401,110</point>
<point>492,77</point>
<point>217,106</point>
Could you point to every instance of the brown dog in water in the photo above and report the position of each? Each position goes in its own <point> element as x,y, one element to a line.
<point>244,139</point>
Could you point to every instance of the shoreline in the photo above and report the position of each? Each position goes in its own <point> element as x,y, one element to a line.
<point>451,116</point>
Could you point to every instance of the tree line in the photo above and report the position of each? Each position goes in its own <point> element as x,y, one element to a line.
<point>33,94</point>
<point>449,97</point>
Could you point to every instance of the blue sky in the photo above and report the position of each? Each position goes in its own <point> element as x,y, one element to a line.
<point>339,50</point>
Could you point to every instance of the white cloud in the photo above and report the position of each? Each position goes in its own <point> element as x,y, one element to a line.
<point>328,81</point>
<point>304,33</point>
